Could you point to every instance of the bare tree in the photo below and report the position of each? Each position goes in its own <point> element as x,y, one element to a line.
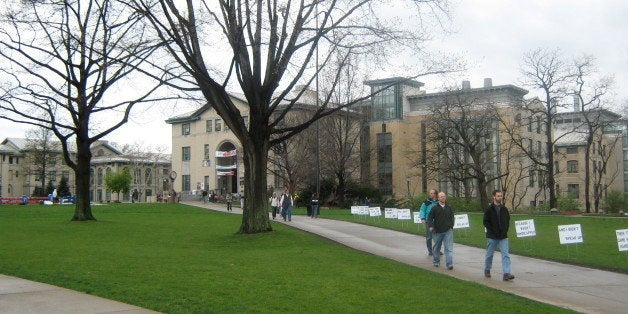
<point>64,62</point>
<point>339,135</point>
<point>42,153</point>
<point>546,72</point>
<point>589,97</point>
<point>464,131</point>
<point>292,160</point>
<point>270,48</point>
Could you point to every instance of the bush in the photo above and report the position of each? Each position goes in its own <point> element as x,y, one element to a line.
<point>568,203</point>
<point>615,201</point>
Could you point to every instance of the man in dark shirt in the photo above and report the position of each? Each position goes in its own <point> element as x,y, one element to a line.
<point>497,221</point>
<point>441,222</point>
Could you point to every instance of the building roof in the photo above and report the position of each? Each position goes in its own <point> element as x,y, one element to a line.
<point>196,114</point>
<point>509,87</point>
<point>5,149</point>
<point>567,137</point>
<point>395,80</point>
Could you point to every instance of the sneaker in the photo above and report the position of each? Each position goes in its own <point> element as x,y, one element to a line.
<point>436,265</point>
<point>430,254</point>
<point>508,277</point>
<point>441,253</point>
<point>450,267</point>
<point>487,273</point>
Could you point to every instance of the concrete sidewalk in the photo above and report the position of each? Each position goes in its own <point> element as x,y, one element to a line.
<point>578,288</point>
<point>20,296</point>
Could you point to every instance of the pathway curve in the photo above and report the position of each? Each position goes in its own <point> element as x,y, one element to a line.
<point>578,288</point>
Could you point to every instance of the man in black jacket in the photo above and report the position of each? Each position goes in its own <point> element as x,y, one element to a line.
<point>497,221</point>
<point>440,221</point>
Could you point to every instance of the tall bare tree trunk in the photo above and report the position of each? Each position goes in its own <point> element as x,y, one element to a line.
<point>83,209</point>
<point>255,214</point>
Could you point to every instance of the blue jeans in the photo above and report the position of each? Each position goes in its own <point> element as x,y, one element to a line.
<point>447,238</point>
<point>428,240</point>
<point>287,213</point>
<point>503,246</point>
<point>314,211</point>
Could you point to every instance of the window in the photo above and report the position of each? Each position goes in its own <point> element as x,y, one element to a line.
<point>91,176</point>
<point>148,176</point>
<point>208,126</point>
<point>185,153</point>
<point>572,150</point>
<point>217,125</point>
<point>555,166</point>
<point>99,179</point>
<point>246,121</point>
<point>538,125</point>
<point>572,166</point>
<point>384,162</point>
<point>185,129</point>
<point>206,151</point>
<point>574,190</point>
<point>137,176</point>
<point>185,181</point>
<point>52,161</point>
<point>529,124</point>
<point>531,174</point>
<point>206,181</point>
<point>65,174</point>
<point>52,176</point>
<point>387,104</point>
<point>538,148</point>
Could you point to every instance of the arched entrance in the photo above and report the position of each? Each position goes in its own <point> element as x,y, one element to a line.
<point>227,168</point>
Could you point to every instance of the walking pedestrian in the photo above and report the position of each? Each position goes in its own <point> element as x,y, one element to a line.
<point>286,203</point>
<point>424,212</point>
<point>229,200</point>
<point>496,222</point>
<point>441,223</point>
<point>274,204</point>
<point>314,205</point>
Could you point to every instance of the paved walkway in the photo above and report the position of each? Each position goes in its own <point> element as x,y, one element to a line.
<point>578,288</point>
<point>20,296</point>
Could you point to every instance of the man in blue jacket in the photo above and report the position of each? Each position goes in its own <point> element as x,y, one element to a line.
<point>424,212</point>
<point>496,222</point>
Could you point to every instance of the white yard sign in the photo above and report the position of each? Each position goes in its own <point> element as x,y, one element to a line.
<point>417,219</point>
<point>622,239</point>
<point>525,228</point>
<point>364,211</point>
<point>375,211</point>
<point>390,213</point>
<point>404,214</point>
<point>461,221</point>
<point>355,210</point>
<point>570,234</point>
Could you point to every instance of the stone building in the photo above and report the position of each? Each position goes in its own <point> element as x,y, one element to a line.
<point>408,161</point>
<point>21,170</point>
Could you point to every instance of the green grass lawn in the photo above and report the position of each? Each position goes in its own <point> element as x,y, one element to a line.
<point>599,248</point>
<point>180,259</point>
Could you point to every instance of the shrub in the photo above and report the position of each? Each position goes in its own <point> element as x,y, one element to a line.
<point>615,201</point>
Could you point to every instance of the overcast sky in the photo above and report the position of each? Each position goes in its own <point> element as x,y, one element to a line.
<point>493,36</point>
